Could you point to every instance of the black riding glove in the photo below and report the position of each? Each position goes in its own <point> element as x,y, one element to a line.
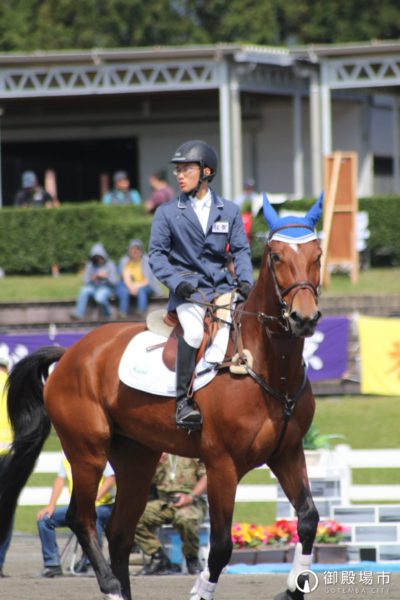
<point>185,289</point>
<point>244,289</point>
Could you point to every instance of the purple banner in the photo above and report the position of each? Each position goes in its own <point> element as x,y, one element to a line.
<point>19,345</point>
<point>326,351</point>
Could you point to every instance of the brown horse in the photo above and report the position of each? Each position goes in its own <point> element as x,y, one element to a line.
<point>248,420</point>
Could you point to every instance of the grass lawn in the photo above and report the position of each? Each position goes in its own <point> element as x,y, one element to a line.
<point>17,288</point>
<point>363,421</point>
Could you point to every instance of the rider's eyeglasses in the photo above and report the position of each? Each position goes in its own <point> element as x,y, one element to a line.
<point>185,169</point>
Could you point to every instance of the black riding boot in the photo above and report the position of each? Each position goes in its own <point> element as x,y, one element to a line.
<point>187,416</point>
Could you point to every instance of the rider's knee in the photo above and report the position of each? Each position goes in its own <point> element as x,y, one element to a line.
<point>194,336</point>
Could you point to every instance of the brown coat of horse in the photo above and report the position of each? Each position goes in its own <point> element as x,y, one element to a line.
<point>98,418</point>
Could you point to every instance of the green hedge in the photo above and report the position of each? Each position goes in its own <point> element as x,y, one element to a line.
<point>33,239</point>
<point>384,227</point>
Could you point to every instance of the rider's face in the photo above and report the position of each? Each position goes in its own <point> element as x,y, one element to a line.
<point>187,175</point>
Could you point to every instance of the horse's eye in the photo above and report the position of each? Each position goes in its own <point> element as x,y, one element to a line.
<point>275,257</point>
<point>318,260</point>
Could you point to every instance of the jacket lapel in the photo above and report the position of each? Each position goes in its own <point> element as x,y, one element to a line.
<point>185,208</point>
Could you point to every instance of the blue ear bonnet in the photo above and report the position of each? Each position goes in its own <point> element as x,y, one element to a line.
<point>304,230</point>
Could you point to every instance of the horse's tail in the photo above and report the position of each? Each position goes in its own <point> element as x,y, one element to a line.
<point>31,426</point>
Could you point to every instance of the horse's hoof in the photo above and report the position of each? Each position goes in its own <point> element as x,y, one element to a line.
<point>288,595</point>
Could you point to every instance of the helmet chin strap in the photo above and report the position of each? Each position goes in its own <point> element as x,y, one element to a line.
<point>202,178</point>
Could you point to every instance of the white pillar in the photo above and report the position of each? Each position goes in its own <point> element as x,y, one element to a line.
<point>396,145</point>
<point>326,110</point>
<point>225,130</point>
<point>365,182</point>
<point>236,115</point>
<point>298,165</point>
<point>315,134</point>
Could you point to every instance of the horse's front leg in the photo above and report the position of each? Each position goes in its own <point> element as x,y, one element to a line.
<point>290,469</point>
<point>221,490</point>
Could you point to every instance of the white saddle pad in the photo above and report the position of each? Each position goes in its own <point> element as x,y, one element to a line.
<point>143,369</point>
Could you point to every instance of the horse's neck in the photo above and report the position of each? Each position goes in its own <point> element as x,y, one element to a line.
<point>278,355</point>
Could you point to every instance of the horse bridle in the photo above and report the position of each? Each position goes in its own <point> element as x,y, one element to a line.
<point>286,308</point>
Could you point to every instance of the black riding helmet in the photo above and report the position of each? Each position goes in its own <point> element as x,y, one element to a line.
<point>196,151</point>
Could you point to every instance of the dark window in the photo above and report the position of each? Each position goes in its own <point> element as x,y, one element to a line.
<point>383,166</point>
<point>78,165</point>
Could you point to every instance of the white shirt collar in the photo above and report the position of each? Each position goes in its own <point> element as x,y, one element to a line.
<point>205,201</point>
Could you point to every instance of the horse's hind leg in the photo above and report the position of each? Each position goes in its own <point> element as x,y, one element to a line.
<point>81,518</point>
<point>134,467</point>
<point>290,469</point>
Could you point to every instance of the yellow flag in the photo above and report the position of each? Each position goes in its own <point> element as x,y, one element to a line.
<point>380,355</point>
<point>5,426</point>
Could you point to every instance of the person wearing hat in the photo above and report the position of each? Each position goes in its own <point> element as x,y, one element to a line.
<point>5,437</point>
<point>121,192</point>
<point>137,280</point>
<point>32,194</point>
<point>99,280</point>
<point>187,252</point>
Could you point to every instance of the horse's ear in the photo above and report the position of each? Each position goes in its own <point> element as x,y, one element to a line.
<point>270,214</point>
<point>315,212</point>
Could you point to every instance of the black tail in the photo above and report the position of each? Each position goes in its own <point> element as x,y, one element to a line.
<point>31,427</point>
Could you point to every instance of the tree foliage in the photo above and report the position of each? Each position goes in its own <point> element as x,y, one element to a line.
<point>29,25</point>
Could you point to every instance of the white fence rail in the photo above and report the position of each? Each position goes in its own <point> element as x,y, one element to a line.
<point>348,458</point>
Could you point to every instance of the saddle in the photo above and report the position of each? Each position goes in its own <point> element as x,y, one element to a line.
<point>167,324</point>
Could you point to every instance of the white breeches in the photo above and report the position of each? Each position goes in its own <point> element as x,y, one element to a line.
<point>191,317</point>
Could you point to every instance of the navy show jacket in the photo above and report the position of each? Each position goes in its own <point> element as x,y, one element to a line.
<point>179,250</point>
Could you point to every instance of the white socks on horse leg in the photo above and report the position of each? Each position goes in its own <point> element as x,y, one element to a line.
<point>203,588</point>
<point>301,562</point>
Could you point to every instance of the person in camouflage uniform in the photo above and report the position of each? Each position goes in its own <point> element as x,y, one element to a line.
<point>180,483</point>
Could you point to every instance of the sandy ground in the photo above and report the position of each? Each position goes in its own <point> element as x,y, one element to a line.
<point>24,564</point>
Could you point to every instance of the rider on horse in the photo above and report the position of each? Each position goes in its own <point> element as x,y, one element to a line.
<point>187,253</point>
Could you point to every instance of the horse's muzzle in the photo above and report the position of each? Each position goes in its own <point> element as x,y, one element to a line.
<point>303,326</point>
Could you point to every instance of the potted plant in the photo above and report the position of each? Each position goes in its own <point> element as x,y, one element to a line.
<point>327,546</point>
<point>254,544</point>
